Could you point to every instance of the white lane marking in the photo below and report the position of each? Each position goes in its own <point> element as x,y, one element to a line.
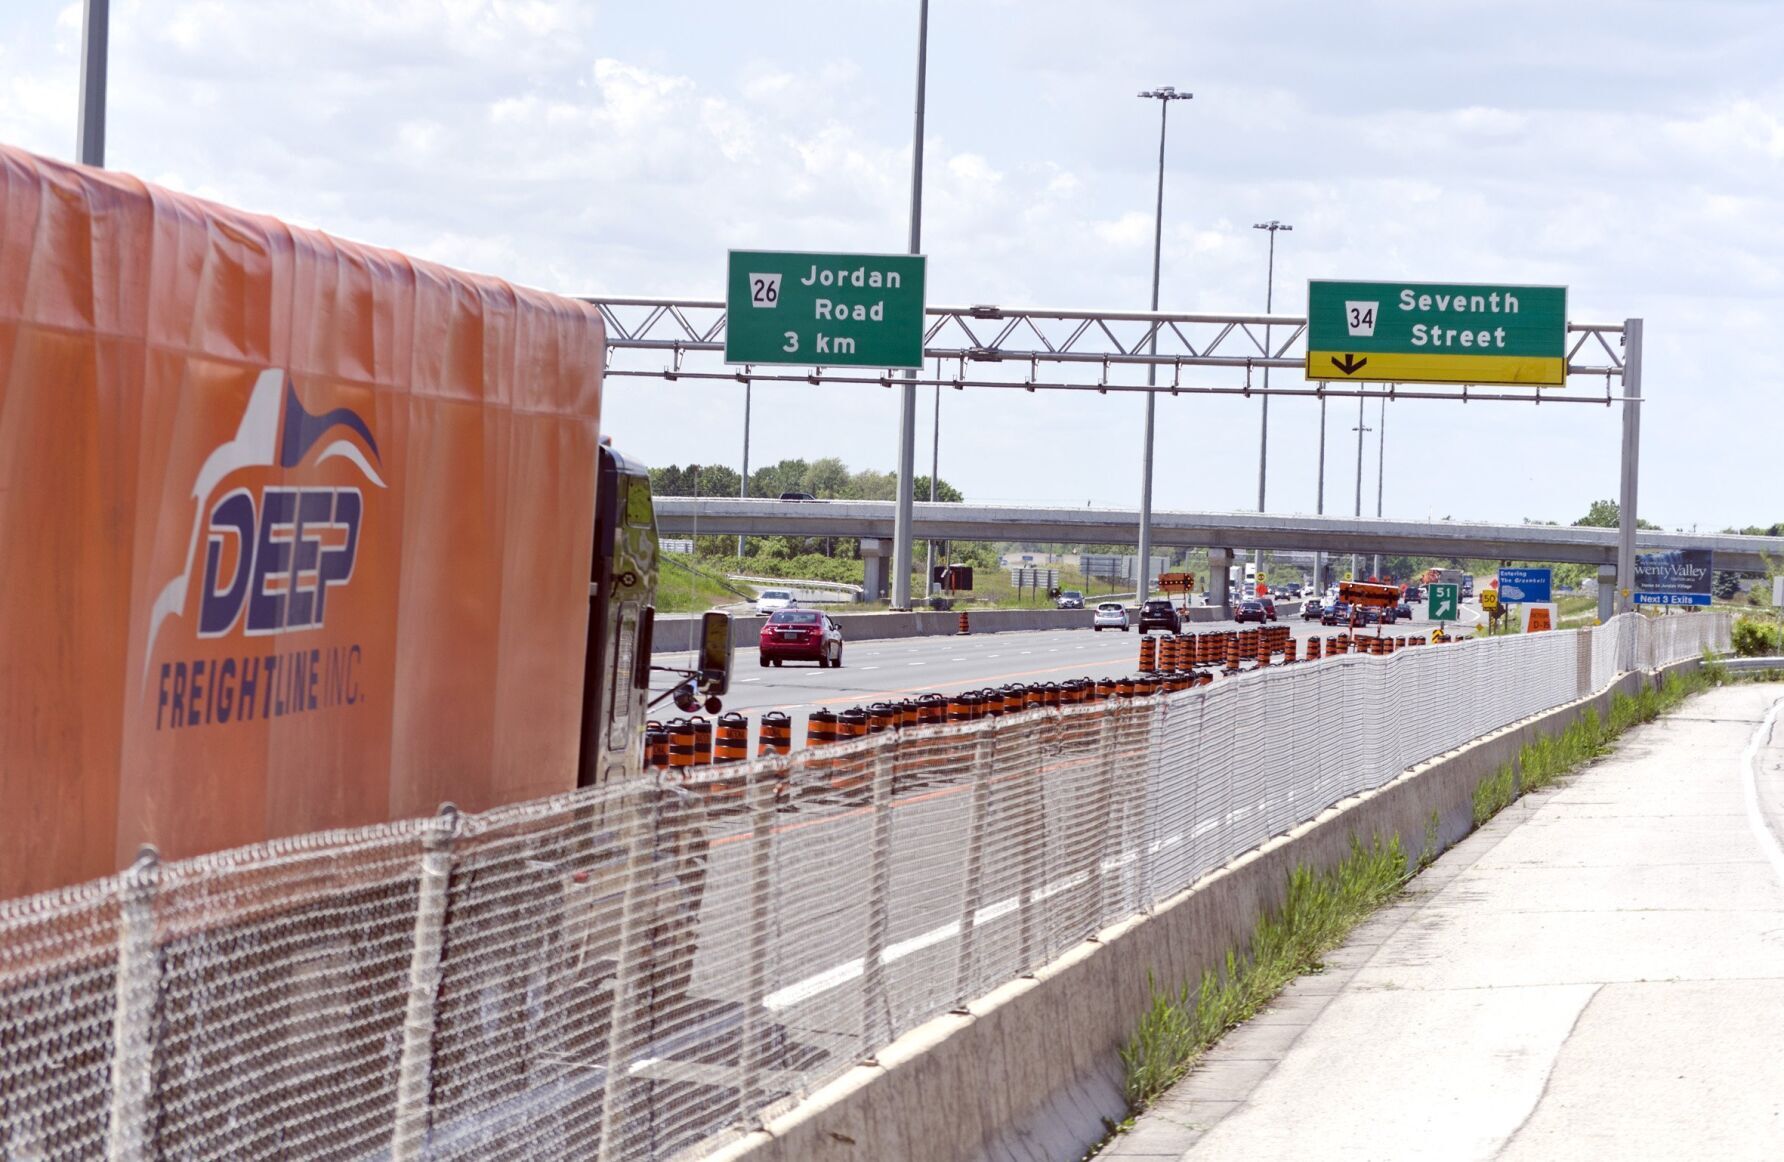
<point>867,667</point>
<point>918,943</point>
<point>957,659</point>
<point>1768,840</point>
<point>1025,653</point>
<point>995,911</point>
<point>749,679</point>
<point>831,978</point>
<point>812,986</point>
<point>916,663</point>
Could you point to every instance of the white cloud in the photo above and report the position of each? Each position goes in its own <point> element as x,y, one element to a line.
<point>1630,153</point>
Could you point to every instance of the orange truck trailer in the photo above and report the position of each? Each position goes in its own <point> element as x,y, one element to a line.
<point>298,534</point>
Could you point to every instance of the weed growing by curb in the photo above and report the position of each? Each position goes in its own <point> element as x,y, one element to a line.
<point>1549,756</point>
<point>1317,913</point>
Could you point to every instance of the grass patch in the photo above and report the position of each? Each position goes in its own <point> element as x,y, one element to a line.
<point>1317,912</point>
<point>1495,793</point>
<point>687,587</point>
<point>1546,758</point>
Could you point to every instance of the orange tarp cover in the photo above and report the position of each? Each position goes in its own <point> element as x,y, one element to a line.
<point>295,531</point>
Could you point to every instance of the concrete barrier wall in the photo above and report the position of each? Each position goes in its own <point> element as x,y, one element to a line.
<point>1031,1071</point>
<point>677,634</point>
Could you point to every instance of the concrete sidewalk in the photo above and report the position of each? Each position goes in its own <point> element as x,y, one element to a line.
<point>1597,973</point>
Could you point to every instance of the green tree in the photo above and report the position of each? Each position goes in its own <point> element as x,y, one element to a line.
<point>870,485</point>
<point>826,479</point>
<point>773,479</point>
<point>945,493</point>
<point>695,480</point>
<point>1604,514</point>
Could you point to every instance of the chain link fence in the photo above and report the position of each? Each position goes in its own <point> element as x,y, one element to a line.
<point>639,972</point>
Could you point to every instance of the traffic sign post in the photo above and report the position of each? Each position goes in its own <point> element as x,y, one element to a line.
<point>1443,602</point>
<point>1526,586</point>
<point>1410,332</point>
<point>826,310</point>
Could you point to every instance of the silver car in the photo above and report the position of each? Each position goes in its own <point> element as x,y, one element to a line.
<point>770,600</point>
<point>1110,615</point>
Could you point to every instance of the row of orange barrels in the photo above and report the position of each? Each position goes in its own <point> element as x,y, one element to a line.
<point>1228,648</point>
<point>698,741</point>
<point>1232,648</point>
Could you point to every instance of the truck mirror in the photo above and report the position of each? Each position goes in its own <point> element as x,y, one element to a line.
<point>715,653</point>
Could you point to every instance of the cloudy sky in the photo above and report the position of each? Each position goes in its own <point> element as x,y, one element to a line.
<point>1631,150</point>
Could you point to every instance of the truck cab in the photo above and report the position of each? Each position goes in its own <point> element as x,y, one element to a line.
<point>621,623</point>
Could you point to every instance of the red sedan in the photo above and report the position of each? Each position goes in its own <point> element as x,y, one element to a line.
<point>802,635</point>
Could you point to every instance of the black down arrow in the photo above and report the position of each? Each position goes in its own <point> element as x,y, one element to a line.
<point>1351,364</point>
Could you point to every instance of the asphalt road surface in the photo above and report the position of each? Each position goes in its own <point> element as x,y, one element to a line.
<point>898,668</point>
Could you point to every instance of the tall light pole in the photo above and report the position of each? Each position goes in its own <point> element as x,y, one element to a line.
<point>1164,95</point>
<point>1263,431</point>
<point>95,33</point>
<point>907,412</point>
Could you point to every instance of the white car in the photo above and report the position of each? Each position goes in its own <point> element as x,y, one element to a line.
<point>770,600</point>
<point>1110,615</point>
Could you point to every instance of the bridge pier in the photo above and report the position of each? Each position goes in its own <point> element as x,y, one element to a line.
<point>1220,565</point>
<point>873,562</point>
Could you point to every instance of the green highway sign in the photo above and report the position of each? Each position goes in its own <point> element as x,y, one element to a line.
<point>1443,602</point>
<point>1427,332</point>
<point>824,310</point>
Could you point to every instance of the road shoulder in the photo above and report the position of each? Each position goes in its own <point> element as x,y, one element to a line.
<point>1544,988</point>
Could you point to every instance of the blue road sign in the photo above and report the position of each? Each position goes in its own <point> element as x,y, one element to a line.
<point>1681,577</point>
<point>1525,586</point>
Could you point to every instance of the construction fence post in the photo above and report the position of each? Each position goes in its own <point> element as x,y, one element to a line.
<point>984,755</point>
<point>414,1075</point>
<point>751,1056</point>
<point>130,1132</point>
<point>874,999</point>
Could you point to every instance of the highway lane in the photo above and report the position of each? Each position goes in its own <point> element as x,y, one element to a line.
<point>900,668</point>
<point>1060,870</point>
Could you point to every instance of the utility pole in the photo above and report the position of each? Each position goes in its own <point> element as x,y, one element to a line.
<point>1263,431</point>
<point>1164,95</point>
<point>95,38</point>
<point>907,415</point>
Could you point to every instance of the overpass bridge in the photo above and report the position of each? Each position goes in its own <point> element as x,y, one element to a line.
<point>1250,530</point>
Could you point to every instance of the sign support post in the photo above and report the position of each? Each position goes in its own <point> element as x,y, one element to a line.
<point>1632,439</point>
